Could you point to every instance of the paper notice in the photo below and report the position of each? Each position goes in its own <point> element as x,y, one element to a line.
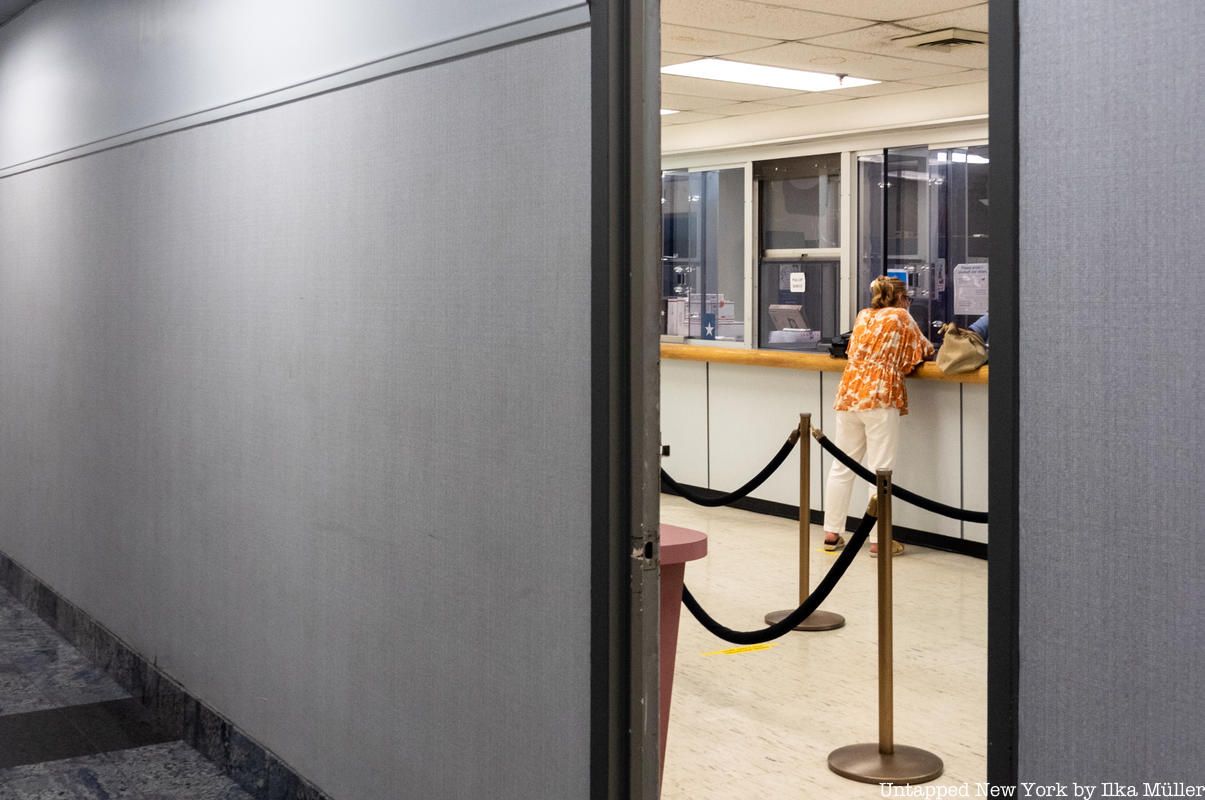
<point>970,289</point>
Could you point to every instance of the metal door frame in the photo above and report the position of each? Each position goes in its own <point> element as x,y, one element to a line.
<point>624,430</point>
<point>1003,648</point>
<point>624,439</point>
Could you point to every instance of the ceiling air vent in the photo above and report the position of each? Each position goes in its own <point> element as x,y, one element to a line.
<point>943,40</point>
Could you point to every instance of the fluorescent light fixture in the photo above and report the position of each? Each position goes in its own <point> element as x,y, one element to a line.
<point>718,69</point>
<point>665,112</point>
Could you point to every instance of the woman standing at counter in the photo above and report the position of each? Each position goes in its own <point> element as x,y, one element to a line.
<point>885,346</point>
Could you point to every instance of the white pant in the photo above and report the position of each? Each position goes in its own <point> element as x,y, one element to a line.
<point>870,437</point>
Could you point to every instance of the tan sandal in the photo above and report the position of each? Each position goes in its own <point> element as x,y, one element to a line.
<point>834,546</point>
<point>897,549</point>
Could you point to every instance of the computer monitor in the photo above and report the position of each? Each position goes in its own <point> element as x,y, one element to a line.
<point>788,316</point>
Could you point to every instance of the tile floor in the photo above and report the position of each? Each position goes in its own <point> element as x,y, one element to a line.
<point>761,724</point>
<point>750,725</point>
<point>68,731</point>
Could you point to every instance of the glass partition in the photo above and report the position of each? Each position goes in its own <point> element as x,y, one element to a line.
<point>910,229</point>
<point>923,217</point>
<point>965,246</point>
<point>871,184</point>
<point>703,253</point>
<point>799,306</point>
<point>799,203</point>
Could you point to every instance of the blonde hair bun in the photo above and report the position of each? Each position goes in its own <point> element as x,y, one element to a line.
<point>886,292</point>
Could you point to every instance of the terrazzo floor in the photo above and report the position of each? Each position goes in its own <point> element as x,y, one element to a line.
<point>761,723</point>
<point>67,731</point>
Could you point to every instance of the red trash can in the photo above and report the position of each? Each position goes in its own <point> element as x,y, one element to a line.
<point>678,545</point>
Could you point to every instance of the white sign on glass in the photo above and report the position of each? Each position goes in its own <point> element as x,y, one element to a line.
<point>798,282</point>
<point>970,289</point>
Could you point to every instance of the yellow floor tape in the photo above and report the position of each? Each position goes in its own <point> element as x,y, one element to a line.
<point>732,651</point>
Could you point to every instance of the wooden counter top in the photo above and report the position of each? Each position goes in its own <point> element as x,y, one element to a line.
<point>786,359</point>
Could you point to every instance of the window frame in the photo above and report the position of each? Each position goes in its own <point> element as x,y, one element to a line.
<point>849,146</point>
<point>747,284</point>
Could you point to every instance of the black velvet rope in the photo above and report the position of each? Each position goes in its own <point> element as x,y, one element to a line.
<point>788,623</point>
<point>897,490</point>
<point>754,482</point>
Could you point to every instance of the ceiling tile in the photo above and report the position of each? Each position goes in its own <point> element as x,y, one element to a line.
<point>879,10</point>
<point>797,55</point>
<point>668,58</point>
<point>685,117</point>
<point>848,37</point>
<point>880,89</point>
<point>954,78</point>
<point>737,109</point>
<point>687,102</point>
<point>701,42</point>
<point>755,19</point>
<point>734,92</point>
<point>800,99</point>
<point>829,99</point>
<point>882,40</point>
<point>972,19</point>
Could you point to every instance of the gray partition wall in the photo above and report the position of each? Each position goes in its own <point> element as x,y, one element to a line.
<point>295,392</point>
<point>1111,554</point>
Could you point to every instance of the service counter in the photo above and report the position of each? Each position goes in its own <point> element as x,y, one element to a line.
<point>726,411</point>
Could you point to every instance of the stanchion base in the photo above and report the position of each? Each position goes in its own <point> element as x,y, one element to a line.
<point>864,762</point>
<point>817,621</point>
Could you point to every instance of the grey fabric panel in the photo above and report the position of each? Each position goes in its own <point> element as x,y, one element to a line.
<point>165,60</point>
<point>1112,627</point>
<point>298,403</point>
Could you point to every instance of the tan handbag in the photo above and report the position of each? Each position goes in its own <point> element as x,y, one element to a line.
<point>962,350</point>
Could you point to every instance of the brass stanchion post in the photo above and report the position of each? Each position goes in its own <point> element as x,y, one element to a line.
<point>885,761</point>
<point>818,620</point>
<point>886,642</point>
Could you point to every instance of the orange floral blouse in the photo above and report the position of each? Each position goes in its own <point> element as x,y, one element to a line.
<point>885,344</point>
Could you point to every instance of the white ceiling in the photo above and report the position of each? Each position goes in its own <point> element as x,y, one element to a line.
<point>852,37</point>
